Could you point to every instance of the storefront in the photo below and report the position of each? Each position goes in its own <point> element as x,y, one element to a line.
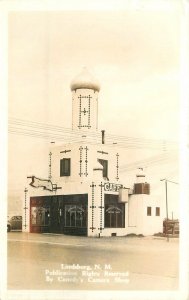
<point>65,214</point>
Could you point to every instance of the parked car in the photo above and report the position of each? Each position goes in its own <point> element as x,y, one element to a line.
<point>14,223</point>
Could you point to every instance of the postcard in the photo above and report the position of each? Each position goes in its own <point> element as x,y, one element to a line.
<point>95,135</point>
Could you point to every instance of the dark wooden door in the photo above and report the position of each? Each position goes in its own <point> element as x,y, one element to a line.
<point>56,214</point>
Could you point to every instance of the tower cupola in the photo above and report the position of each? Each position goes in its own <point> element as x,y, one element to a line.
<point>85,81</point>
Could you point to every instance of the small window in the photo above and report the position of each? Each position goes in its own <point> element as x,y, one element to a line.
<point>157,211</point>
<point>65,167</point>
<point>149,211</point>
<point>104,163</point>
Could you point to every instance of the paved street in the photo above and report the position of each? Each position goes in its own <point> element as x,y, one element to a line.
<point>45,261</point>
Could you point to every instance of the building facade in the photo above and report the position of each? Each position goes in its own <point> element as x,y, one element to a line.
<point>83,194</point>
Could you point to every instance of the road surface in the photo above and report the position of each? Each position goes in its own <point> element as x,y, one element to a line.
<point>42,261</point>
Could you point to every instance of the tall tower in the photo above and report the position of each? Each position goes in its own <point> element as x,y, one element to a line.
<point>85,102</point>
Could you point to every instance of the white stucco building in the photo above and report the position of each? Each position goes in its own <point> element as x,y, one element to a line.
<point>84,194</point>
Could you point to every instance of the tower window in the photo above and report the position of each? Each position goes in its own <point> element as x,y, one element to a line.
<point>157,211</point>
<point>149,211</point>
<point>65,167</point>
<point>104,163</point>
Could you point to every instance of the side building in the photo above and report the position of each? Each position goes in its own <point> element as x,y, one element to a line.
<point>83,194</point>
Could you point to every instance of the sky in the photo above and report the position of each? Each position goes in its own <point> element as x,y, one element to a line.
<point>134,54</point>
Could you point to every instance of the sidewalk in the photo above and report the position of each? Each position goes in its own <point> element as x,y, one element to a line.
<point>80,241</point>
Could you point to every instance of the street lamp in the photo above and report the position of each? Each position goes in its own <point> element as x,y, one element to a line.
<point>166,199</point>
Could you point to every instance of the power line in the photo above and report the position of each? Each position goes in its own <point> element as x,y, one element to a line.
<point>149,162</point>
<point>152,161</point>
<point>70,139</point>
<point>75,132</point>
<point>58,132</point>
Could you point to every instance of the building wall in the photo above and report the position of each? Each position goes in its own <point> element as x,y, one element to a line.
<point>84,158</point>
<point>87,178</point>
<point>138,221</point>
<point>96,205</point>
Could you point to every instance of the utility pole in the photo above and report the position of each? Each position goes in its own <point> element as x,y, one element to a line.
<point>166,199</point>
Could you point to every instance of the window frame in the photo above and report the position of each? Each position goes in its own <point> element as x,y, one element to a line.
<point>65,171</point>
<point>75,215</point>
<point>149,211</point>
<point>158,211</point>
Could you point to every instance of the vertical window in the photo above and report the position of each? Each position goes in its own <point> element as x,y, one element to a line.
<point>65,167</point>
<point>149,211</point>
<point>157,211</point>
<point>114,213</point>
<point>75,216</point>
<point>104,163</point>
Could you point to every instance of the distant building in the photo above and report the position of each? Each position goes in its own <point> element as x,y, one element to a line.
<point>83,194</point>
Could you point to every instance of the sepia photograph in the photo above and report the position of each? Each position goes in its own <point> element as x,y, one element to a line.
<point>97,106</point>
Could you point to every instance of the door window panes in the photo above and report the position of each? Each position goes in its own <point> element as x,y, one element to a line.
<point>75,216</point>
<point>114,212</point>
